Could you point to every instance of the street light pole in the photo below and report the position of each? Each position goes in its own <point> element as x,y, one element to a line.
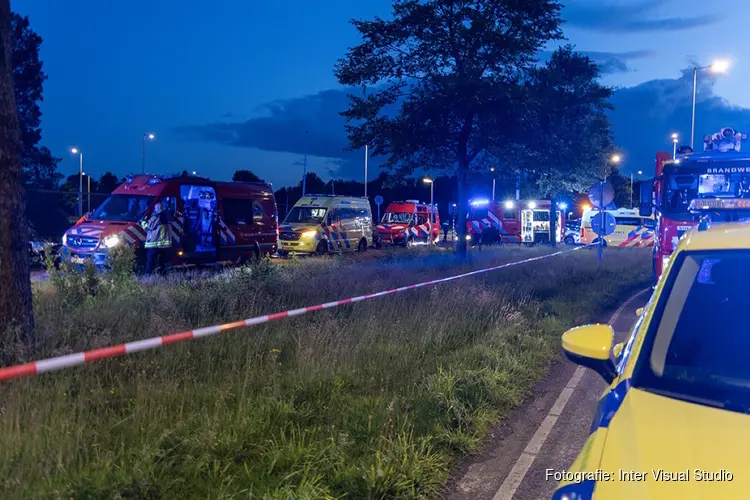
<point>493,183</point>
<point>143,150</point>
<point>631,190</point>
<point>88,206</point>
<point>431,182</point>
<point>76,151</point>
<point>366,155</point>
<point>715,67</point>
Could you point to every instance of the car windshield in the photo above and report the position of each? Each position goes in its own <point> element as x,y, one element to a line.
<point>720,180</point>
<point>698,342</point>
<point>402,217</point>
<point>123,207</point>
<point>306,215</point>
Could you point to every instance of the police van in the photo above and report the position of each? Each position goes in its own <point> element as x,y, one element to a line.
<point>632,230</point>
<point>321,223</point>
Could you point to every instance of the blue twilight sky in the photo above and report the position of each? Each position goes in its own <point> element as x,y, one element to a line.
<point>233,84</point>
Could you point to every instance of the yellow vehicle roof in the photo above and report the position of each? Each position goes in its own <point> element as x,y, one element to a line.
<point>727,235</point>
<point>330,200</point>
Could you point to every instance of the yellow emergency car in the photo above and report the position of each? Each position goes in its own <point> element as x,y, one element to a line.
<point>327,223</point>
<point>632,230</point>
<point>674,422</point>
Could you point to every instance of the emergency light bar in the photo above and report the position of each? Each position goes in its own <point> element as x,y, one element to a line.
<point>719,204</point>
<point>480,202</point>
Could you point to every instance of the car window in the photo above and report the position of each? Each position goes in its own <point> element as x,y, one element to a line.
<point>698,341</point>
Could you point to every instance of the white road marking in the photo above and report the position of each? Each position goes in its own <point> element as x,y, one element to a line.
<point>534,446</point>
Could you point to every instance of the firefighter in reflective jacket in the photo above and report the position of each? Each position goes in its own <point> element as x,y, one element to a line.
<point>158,237</point>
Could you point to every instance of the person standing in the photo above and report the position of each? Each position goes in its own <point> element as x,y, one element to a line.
<point>158,238</point>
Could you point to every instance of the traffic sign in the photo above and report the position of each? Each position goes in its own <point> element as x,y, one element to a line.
<point>378,200</point>
<point>603,229</point>
<point>601,194</point>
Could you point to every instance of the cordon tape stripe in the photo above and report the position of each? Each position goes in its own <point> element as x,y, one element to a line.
<point>80,358</point>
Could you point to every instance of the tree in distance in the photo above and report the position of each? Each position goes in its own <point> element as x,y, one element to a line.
<point>445,80</point>
<point>245,176</point>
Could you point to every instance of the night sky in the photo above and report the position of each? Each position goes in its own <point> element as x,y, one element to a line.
<point>233,84</point>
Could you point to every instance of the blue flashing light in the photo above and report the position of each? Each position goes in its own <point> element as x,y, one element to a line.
<point>563,206</point>
<point>129,180</point>
<point>153,181</point>
<point>481,202</point>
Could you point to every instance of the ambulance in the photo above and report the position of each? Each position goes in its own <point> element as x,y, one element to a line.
<point>632,229</point>
<point>322,223</point>
<point>490,222</point>
<point>408,223</point>
<point>213,222</point>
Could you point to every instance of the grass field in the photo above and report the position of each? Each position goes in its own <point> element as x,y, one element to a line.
<point>371,400</point>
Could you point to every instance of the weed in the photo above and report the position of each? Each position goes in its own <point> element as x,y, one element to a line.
<point>369,400</point>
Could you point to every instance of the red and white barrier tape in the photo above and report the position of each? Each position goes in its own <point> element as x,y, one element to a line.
<point>80,358</point>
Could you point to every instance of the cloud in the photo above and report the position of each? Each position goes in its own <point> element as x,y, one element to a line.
<point>610,62</point>
<point>645,116</point>
<point>643,119</point>
<point>599,15</point>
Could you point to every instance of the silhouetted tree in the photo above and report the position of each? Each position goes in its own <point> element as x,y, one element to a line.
<point>15,292</point>
<point>107,183</point>
<point>455,67</point>
<point>245,176</point>
<point>315,185</point>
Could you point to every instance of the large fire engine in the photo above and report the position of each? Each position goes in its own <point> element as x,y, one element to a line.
<point>212,221</point>
<point>510,221</point>
<point>712,179</point>
<point>407,223</point>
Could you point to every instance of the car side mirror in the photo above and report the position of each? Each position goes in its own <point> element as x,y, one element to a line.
<point>591,346</point>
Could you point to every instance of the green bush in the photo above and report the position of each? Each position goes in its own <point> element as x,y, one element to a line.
<point>372,400</point>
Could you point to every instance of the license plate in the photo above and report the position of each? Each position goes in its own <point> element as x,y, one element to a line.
<point>77,260</point>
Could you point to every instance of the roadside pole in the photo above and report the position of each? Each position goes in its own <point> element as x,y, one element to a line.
<point>601,213</point>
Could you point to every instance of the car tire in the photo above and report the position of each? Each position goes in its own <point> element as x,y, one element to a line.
<point>362,246</point>
<point>569,240</point>
<point>322,248</point>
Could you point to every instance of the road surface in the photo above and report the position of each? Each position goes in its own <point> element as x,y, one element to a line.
<point>545,433</point>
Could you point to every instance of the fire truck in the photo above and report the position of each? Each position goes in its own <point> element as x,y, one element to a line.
<point>694,185</point>
<point>408,223</point>
<point>213,222</point>
<point>490,222</point>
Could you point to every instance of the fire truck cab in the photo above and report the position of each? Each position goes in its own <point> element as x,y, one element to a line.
<point>714,184</point>
<point>491,222</point>
<point>212,221</point>
<point>409,222</point>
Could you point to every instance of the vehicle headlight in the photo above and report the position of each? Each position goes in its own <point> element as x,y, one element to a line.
<point>309,234</point>
<point>65,239</point>
<point>468,237</point>
<point>664,262</point>
<point>111,241</point>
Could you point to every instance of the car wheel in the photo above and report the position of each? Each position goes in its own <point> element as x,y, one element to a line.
<point>322,248</point>
<point>362,246</point>
<point>569,240</point>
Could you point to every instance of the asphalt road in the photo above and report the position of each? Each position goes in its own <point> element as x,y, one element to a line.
<point>547,432</point>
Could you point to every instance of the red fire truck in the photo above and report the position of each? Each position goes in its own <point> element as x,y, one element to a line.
<point>408,223</point>
<point>721,172</point>
<point>492,222</point>
<point>213,221</point>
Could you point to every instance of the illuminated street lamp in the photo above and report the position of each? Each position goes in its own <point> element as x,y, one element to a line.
<point>150,137</point>
<point>493,183</point>
<point>675,140</point>
<point>716,67</point>
<point>78,152</point>
<point>431,182</point>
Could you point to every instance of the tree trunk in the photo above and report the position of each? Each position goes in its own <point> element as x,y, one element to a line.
<point>461,206</point>
<point>553,229</point>
<point>15,291</point>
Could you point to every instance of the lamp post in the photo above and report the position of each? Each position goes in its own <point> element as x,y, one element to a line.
<point>720,66</point>
<point>150,137</point>
<point>431,182</point>
<point>78,152</point>
<point>631,187</point>
<point>493,183</point>
<point>675,140</point>
<point>88,193</point>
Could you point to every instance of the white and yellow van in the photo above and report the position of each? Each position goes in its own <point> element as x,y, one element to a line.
<point>631,230</point>
<point>326,223</point>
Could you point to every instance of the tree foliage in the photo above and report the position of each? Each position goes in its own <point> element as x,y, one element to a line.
<point>445,81</point>
<point>245,176</point>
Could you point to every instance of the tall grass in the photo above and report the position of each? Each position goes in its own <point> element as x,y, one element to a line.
<point>371,400</point>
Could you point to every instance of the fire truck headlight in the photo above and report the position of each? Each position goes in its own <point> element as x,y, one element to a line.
<point>111,241</point>
<point>309,234</point>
